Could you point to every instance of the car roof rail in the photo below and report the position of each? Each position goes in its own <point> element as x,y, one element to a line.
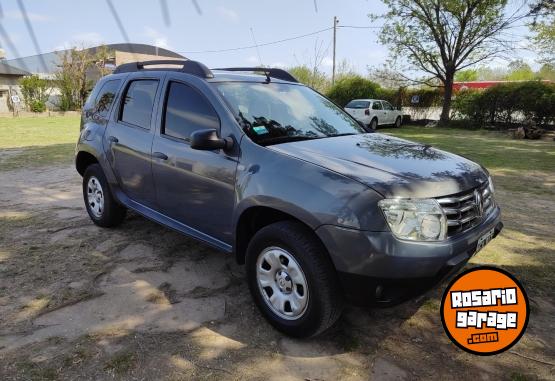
<point>268,71</point>
<point>187,66</point>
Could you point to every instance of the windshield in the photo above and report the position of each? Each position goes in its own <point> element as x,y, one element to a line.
<point>272,113</point>
<point>358,104</point>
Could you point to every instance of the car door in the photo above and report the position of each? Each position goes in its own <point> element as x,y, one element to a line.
<point>389,113</point>
<point>194,187</point>
<point>128,138</point>
<point>378,111</point>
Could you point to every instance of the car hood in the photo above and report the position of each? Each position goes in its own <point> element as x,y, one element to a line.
<point>392,166</point>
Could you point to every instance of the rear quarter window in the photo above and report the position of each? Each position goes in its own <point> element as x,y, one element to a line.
<point>104,100</point>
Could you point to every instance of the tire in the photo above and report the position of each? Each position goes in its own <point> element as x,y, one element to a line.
<point>272,254</point>
<point>100,203</point>
<point>398,122</point>
<point>374,124</point>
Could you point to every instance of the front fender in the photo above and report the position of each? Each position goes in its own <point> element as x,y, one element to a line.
<point>313,194</point>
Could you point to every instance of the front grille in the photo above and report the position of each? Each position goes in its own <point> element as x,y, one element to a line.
<point>463,209</point>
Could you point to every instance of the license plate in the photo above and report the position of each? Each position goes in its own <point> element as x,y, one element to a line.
<point>484,240</point>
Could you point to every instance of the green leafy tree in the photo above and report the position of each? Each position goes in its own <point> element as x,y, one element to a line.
<point>78,70</point>
<point>543,28</point>
<point>35,91</point>
<point>547,71</point>
<point>439,38</point>
<point>466,75</point>
<point>352,87</point>
<point>313,78</point>
<point>520,71</point>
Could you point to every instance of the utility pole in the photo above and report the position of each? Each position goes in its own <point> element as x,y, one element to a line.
<point>335,22</point>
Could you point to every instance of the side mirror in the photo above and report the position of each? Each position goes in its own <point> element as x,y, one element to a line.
<point>209,140</point>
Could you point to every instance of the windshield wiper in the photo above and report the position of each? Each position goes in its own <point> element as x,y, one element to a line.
<point>344,134</point>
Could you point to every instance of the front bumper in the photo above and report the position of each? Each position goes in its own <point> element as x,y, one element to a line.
<point>378,268</point>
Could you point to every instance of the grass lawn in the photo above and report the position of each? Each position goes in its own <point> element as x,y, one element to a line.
<point>30,142</point>
<point>507,159</point>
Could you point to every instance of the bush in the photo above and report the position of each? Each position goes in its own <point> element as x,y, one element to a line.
<point>353,87</point>
<point>508,103</point>
<point>35,91</point>
<point>426,97</point>
<point>37,106</point>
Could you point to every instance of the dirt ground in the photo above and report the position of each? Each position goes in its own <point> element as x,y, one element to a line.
<point>143,302</point>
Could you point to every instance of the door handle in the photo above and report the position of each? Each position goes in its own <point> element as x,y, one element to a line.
<point>113,139</point>
<point>160,155</point>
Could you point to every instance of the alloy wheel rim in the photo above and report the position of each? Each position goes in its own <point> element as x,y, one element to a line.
<point>95,197</point>
<point>282,283</point>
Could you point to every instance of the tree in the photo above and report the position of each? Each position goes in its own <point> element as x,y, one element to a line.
<point>439,38</point>
<point>78,67</point>
<point>310,69</point>
<point>547,71</point>
<point>543,27</point>
<point>520,71</point>
<point>315,79</point>
<point>35,91</point>
<point>352,87</point>
<point>467,75</point>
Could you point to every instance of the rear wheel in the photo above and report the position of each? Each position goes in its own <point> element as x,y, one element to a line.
<point>374,124</point>
<point>398,122</point>
<point>101,206</point>
<point>292,280</point>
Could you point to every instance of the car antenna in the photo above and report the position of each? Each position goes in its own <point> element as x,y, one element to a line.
<point>266,72</point>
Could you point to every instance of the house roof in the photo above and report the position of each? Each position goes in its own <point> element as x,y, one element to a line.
<point>48,63</point>
<point>6,69</point>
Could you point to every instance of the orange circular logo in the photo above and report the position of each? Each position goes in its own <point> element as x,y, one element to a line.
<point>485,310</point>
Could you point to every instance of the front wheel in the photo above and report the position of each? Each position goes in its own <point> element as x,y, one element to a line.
<point>292,279</point>
<point>398,122</point>
<point>101,206</point>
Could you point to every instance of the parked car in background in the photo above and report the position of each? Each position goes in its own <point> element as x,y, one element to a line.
<point>374,112</point>
<point>266,169</point>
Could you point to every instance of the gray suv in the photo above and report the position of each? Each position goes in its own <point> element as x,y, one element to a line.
<point>253,163</point>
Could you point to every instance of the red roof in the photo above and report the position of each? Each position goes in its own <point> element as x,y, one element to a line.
<point>483,84</point>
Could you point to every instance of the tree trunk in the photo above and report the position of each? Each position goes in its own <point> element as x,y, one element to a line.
<point>447,95</point>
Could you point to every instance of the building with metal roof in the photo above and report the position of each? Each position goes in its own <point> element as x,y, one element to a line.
<point>47,64</point>
<point>9,77</point>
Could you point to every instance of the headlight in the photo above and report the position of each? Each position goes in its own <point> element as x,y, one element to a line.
<point>490,185</point>
<point>415,220</point>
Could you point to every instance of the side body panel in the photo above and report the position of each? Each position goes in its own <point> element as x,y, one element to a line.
<point>313,194</point>
<point>196,187</point>
<point>128,148</point>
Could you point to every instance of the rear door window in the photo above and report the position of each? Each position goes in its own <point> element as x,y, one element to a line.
<point>138,102</point>
<point>377,106</point>
<point>186,111</point>
<point>387,105</point>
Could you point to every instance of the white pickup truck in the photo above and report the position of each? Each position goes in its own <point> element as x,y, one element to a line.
<point>374,112</point>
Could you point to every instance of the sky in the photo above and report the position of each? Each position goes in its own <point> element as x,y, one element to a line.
<point>190,27</point>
